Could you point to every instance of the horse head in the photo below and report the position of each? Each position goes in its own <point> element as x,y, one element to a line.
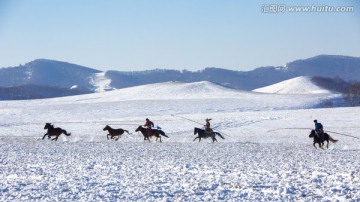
<point>312,134</point>
<point>139,128</point>
<point>107,127</point>
<point>48,125</point>
<point>196,130</point>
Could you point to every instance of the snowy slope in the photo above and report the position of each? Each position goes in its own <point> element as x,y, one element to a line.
<point>298,85</point>
<point>194,92</point>
<point>266,154</point>
<point>100,82</point>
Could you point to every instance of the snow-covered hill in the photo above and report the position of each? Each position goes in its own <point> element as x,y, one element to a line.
<point>201,92</point>
<point>47,73</point>
<point>298,85</point>
<point>176,90</point>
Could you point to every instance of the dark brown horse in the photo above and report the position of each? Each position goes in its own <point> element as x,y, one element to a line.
<point>202,134</point>
<point>317,140</point>
<point>114,132</point>
<point>151,132</point>
<point>51,131</point>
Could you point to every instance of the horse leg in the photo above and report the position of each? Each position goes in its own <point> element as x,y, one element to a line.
<point>107,136</point>
<point>315,145</point>
<point>213,137</point>
<point>327,145</point>
<point>195,139</point>
<point>56,138</point>
<point>45,136</point>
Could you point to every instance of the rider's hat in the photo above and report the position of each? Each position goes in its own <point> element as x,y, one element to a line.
<point>315,121</point>
<point>147,119</point>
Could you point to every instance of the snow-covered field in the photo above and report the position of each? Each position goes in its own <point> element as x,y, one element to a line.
<point>259,160</point>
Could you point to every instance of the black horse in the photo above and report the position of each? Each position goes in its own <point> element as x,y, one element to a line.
<point>114,132</point>
<point>51,131</point>
<point>151,132</point>
<point>202,134</point>
<point>317,140</point>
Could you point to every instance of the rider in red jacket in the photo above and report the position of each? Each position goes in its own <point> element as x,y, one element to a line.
<point>148,124</point>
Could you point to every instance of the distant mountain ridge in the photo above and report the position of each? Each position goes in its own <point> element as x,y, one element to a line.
<point>47,72</point>
<point>43,72</point>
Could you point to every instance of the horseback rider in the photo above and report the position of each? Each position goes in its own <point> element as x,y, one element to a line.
<point>319,130</point>
<point>148,125</point>
<point>207,126</point>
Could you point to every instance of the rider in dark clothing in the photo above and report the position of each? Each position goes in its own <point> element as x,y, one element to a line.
<point>319,130</point>
<point>207,126</point>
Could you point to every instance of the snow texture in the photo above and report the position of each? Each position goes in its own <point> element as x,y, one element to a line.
<point>260,160</point>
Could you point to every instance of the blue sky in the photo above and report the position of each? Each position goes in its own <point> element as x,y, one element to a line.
<point>173,34</point>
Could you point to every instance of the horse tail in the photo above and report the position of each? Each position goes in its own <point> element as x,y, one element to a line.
<point>332,140</point>
<point>163,134</point>
<point>67,134</point>
<point>222,137</point>
<point>127,132</point>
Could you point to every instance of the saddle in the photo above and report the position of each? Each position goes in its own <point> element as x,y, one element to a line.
<point>320,134</point>
<point>208,131</point>
<point>151,131</point>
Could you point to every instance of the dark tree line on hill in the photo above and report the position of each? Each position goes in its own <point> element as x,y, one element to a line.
<point>352,94</point>
<point>350,90</point>
<point>26,92</point>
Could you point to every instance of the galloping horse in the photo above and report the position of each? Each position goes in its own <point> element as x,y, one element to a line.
<point>327,138</point>
<point>151,132</point>
<point>202,134</point>
<point>51,131</point>
<point>114,132</point>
